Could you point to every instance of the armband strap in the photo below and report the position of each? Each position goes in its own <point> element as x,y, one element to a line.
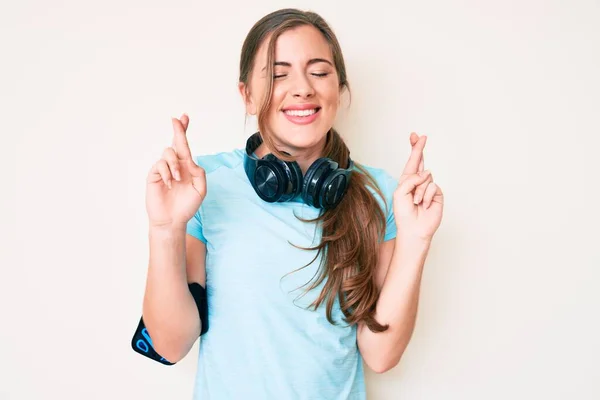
<point>141,341</point>
<point>199,295</point>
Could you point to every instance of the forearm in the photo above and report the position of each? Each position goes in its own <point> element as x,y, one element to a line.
<point>397,307</point>
<point>169,311</point>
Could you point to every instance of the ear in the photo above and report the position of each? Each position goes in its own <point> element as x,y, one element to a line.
<point>247,98</point>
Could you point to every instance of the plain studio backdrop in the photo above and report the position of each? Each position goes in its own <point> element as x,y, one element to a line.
<point>507,92</point>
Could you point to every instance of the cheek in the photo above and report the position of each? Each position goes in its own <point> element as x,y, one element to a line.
<point>278,95</point>
<point>330,92</point>
<point>277,100</point>
<point>332,98</point>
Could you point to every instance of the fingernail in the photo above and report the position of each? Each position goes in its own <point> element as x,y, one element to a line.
<point>417,199</point>
<point>177,176</point>
<point>169,184</point>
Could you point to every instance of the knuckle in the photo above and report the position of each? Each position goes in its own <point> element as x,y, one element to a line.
<point>402,188</point>
<point>163,166</point>
<point>169,153</point>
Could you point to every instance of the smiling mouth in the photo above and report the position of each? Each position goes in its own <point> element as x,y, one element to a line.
<point>301,113</point>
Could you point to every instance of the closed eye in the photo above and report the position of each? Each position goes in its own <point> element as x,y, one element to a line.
<point>318,75</point>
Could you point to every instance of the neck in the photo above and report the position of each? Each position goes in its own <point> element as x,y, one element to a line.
<point>305,157</point>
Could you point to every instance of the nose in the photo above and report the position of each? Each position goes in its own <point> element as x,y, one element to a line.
<point>302,88</point>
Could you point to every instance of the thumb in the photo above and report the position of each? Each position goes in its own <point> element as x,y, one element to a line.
<point>195,170</point>
<point>412,181</point>
<point>198,176</point>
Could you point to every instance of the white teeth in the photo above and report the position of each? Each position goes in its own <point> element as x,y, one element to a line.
<point>301,113</point>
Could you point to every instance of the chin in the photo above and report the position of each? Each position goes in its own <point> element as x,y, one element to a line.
<point>302,139</point>
<point>301,136</point>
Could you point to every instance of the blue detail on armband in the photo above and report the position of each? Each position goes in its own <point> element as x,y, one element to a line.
<point>142,344</point>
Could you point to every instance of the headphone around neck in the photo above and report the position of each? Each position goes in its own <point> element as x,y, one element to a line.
<point>275,180</point>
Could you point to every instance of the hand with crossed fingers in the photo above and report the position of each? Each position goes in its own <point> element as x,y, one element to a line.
<point>176,185</point>
<point>418,201</point>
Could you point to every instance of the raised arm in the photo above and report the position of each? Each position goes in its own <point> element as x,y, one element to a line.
<point>176,187</point>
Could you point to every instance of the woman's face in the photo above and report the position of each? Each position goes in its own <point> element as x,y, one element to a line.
<point>306,89</point>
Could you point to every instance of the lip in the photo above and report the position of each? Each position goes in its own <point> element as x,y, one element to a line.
<point>302,120</point>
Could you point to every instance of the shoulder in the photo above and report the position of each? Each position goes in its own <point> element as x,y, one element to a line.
<point>385,182</point>
<point>216,161</point>
<point>386,185</point>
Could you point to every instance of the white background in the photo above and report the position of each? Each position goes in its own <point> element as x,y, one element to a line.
<point>508,93</point>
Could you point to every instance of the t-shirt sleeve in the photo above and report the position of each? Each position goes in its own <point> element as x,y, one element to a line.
<point>388,185</point>
<point>194,226</point>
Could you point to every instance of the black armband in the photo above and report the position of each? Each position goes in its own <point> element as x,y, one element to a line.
<point>141,341</point>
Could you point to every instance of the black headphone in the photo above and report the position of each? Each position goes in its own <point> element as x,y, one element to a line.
<point>274,180</point>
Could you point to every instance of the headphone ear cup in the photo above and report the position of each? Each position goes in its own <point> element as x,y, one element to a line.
<point>333,189</point>
<point>314,179</point>
<point>270,180</point>
<point>289,175</point>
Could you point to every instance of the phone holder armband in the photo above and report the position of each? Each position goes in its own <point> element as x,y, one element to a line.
<point>141,341</point>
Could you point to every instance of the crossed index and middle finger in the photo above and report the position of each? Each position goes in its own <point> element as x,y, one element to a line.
<point>415,162</point>
<point>180,143</point>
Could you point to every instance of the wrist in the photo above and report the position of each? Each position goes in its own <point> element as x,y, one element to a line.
<point>171,229</point>
<point>413,243</point>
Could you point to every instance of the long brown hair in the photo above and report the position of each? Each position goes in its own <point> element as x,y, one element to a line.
<point>352,231</point>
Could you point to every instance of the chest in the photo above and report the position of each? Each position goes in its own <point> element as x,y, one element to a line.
<point>255,250</point>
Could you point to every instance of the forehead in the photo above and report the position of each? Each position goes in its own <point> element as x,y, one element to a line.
<point>298,44</point>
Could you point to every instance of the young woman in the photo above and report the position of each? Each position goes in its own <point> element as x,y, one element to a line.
<point>311,262</point>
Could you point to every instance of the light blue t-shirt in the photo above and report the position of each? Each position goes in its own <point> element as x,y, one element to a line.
<point>263,342</point>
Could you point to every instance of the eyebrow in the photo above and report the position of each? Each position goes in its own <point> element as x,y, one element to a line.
<point>310,62</point>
